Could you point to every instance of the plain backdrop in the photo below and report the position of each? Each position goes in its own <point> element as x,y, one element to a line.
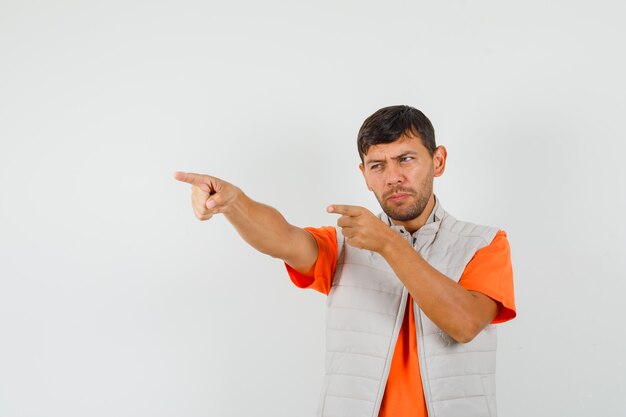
<point>116,301</point>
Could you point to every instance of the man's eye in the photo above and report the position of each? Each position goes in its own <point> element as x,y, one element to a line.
<point>374,166</point>
<point>406,158</point>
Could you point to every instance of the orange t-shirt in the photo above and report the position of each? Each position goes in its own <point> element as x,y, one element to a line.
<point>489,272</point>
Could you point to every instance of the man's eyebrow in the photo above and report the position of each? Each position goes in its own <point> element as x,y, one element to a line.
<point>402,155</point>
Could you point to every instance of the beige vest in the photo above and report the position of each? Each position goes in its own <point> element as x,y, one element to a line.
<point>365,312</point>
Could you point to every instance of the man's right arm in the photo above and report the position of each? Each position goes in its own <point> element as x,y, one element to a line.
<point>260,225</point>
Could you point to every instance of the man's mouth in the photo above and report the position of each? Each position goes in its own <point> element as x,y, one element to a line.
<point>398,196</point>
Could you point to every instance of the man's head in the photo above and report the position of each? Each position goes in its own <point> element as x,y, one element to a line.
<point>399,161</point>
<point>389,123</point>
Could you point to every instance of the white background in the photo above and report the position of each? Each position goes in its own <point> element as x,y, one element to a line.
<point>115,301</point>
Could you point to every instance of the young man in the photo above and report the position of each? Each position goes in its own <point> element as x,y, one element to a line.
<point>414,293</point>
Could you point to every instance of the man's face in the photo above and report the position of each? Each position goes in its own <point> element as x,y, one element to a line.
<point>401,176</point>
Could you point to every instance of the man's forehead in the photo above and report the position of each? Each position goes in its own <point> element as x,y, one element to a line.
<point>406,144</point>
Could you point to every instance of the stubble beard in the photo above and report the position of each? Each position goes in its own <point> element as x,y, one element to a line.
<point>404,213</point>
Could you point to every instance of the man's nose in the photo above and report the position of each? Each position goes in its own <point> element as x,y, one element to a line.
<point>394,175</point>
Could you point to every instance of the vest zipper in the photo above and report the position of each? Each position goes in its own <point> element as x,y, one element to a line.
<point>394,340</point>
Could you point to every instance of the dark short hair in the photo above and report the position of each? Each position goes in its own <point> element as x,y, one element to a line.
<point>389,123</point>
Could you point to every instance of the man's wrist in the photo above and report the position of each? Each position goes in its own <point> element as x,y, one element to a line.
<point>236,203</point>
<point>390,243</point>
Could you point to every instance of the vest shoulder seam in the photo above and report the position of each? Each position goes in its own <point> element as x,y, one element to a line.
<point>458,233</point>
<point>481,237</point>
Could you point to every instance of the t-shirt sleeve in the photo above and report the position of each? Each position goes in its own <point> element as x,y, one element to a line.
<point>321,275</point>
<point>490,272</point>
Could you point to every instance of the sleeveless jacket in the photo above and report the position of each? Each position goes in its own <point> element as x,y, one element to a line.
<point>365,309</point>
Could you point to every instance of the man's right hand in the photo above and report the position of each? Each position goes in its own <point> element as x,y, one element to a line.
<point>209,195</point>
<point>262,226</point>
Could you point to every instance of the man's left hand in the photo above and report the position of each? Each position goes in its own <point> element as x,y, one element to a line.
<point>361,228</point>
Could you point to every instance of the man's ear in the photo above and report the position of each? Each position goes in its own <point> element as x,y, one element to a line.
<point>362,168</point>
<point>439,160</point>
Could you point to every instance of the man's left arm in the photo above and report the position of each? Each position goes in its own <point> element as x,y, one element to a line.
<point>461,313</point>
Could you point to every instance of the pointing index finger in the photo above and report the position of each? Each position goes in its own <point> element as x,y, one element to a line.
<point>344,209</point>
<point>190,178</point>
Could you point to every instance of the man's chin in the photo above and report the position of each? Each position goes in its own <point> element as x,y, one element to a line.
<point>402,215</point>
